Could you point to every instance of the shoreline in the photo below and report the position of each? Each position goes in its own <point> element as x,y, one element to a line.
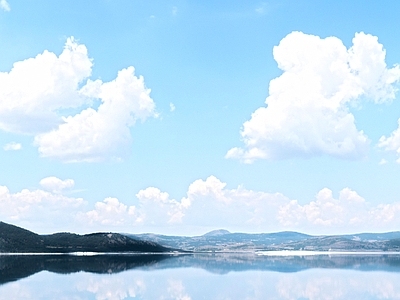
<point>253,253</point>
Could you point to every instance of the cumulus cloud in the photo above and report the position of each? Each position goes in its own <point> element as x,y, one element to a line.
<point>36,88</point>
<point>326,211</point>
<point>56,185</point>
<point>156,207</point>
<point>208,204</point>
<point>39,91</point>
<point>327,214</point>
<point>39,209</point>
<point>4,5</point>
<point>307,110</point>
<point>109,212</point>
<point>13,146</point>
<point>391,143</point>
<point>93,134</point>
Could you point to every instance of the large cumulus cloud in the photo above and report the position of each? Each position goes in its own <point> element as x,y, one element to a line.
<point>72,117</point>
<point>307,110</point>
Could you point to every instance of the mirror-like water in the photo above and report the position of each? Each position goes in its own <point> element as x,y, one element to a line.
<point>200,277</point>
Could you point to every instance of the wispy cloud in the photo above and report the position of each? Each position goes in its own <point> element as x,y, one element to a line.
<point>4,5</point>
<point>392,142</point>
<point>383,161</point>
<point>13,146</point>
<point>261,9</point>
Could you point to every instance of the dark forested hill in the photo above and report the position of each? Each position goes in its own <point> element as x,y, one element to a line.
<point>14,239</point>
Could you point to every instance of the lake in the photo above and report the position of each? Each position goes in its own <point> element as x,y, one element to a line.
<point>200,276</point>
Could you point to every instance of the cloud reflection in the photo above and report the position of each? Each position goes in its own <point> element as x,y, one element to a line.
<point>198,281</point>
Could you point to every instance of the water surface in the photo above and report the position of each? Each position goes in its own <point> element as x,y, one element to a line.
<point>214,276</point>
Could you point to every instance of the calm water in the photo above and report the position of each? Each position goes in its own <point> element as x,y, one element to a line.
<point>200,277</point>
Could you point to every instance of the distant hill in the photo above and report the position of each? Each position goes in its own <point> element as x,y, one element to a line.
<point>217,232</point>
<point>225,241</point>
<point>14,239</point>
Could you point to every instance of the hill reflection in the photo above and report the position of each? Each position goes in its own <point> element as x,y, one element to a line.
<point>14,267</point>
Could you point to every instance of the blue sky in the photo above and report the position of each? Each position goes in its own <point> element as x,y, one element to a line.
<point>180,117</point>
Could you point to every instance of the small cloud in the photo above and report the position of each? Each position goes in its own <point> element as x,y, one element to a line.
<point>13,146</point>
<point>392,142</point>
<point>56,185</point>
<point>152,17</point>
<point>174,11</point>
<point>171,107</point>
<point>4,5</point>
<point>383,162</point>
<point>261,9</point>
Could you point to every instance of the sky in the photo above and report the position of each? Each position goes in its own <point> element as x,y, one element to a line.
<point>180,117</point>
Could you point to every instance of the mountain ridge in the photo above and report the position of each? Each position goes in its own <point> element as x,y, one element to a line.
<point>14,239</point>
<point>222,240</point>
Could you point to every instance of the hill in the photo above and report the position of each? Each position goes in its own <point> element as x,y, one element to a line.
<point>224,241</point>
<point>14,239</point>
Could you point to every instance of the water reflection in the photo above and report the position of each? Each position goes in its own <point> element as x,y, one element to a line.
<point>200,277</point>
<point>14,267</point>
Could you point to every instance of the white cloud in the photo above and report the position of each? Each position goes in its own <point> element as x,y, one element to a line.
<point>262,8</point>
<point>307,110</point>
<point>38,90</point>
<point>326,211</point>
<point>176,290</point>
<point>156,207</point>
<point>93,134</point>
<point>13,146</point>
<point>38,209</point>
<point>391,143</point>
<point>348,212</point>
<point>325,285</point>
<point>56,185</point>
<point>208,205</point>
<point>171,107</point>
<point>110,212</point>
<point>383,162</point>
<point>112,287</point>
<point>4,5</point>
<point>174,11</point>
